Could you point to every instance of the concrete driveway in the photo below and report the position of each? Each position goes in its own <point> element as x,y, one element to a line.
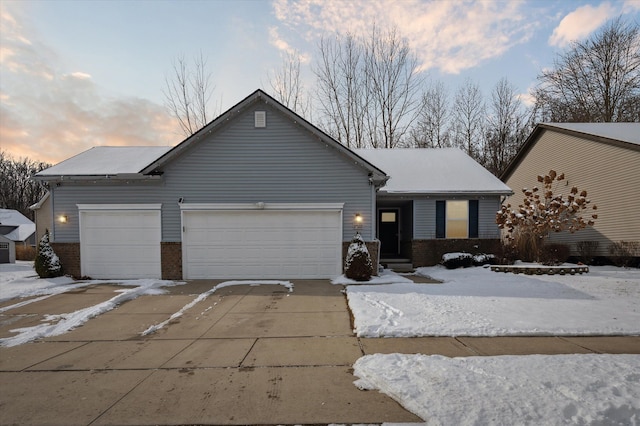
<point>245,355</point>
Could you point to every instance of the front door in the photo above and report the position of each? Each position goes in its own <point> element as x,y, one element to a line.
<point>389,231</point>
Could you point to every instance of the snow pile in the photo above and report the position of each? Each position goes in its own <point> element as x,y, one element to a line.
<point>20,280</point>
<point>203,296</point>
<point>531,389</point>
<point>478,302</point>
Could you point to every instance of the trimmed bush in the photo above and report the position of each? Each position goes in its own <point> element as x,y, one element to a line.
<point>587,251</point>
<point>484,259</point>
<point>625,253</point>
<point>358,264</point>
<point>457,260</point>
<point>554,254</point>
<point>47,263</point>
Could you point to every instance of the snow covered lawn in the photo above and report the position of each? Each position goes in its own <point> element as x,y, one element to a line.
<point>478,302</point>
<point>500,390</point>
<point>509,390</point>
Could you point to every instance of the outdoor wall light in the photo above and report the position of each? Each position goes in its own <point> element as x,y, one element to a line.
<point>62,219</point>
<point>357,220</point>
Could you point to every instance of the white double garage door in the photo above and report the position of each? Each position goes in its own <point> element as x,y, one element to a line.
<point>246,241</point>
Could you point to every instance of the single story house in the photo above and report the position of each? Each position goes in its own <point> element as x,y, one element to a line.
<point>601,158</point>
<point>17,227</point>
<point>436,201</point>
<point>259,192</point>
<point>7,250</point>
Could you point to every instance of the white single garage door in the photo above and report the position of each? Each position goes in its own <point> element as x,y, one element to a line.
<point>274,242</point>
<point>120,241</point>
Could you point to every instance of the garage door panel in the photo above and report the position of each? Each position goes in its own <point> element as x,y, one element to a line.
<point>120,244</point>
<point>262,244</point>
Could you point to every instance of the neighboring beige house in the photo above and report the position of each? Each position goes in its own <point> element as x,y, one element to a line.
<point>43,216</point>
<point>601,158</point>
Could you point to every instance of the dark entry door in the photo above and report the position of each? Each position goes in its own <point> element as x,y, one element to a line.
<point>389,231</point>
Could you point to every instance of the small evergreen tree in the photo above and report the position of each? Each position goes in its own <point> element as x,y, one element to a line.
<point>47,263</point>
<point>358,263</point>
<point>541,213</point>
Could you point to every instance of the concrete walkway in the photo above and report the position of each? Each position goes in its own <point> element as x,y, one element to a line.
<point>246,355</point>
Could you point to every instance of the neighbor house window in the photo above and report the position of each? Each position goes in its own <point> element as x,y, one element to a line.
<point>457,219</point>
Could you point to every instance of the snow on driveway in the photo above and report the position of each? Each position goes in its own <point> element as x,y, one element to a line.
<point>530,389</point>
<point>479,302</point>
<point>19,280</point>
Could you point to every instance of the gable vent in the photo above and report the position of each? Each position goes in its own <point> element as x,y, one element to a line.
<point>260,119</point>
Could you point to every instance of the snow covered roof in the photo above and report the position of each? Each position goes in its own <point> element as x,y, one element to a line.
<point>24,227</point>
<point>626,135</point>
<point>625,132</point>
<point>107,160</point>
<point>433,171</point>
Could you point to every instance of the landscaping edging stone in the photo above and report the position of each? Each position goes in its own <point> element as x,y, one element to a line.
<point>541,270</point>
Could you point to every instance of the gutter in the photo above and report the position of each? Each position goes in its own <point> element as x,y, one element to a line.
<point>93,178</point>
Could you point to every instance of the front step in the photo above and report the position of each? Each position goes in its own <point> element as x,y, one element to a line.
<point>398,265</point>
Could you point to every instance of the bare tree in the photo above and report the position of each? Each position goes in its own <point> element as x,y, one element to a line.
<point>17,190</point>
<point>287,85</point>
<point>431,127</point>
<point>367,88</point>
<point>596,80</point>
<point>342,93</point>
<point>468,116</point>
<point>507,127</point>
<point>188,94</point>
<point>393,83</point>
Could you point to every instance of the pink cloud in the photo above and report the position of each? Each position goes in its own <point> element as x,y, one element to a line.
<point>49,113</point>
<point>446,35</point>
<point>580,23</point>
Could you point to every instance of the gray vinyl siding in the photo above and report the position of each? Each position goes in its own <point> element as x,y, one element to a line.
<point>487,209</point>
<point>424,219</point>
<point>609,173</point>
<point>424,222</point>
<point>239,163</point>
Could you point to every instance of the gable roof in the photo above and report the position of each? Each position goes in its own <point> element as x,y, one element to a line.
<point>106,161</point>
<point>142,161</point>
<point>24,228</point>
<point>626,135</point>
<point>378,176</point>
<point>433,171</point>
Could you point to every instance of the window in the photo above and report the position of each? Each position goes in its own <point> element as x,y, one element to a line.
<point>388,217</point>
<point>457,219</point>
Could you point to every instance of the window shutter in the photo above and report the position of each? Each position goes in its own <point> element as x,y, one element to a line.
<point>441,218</point>
<point>473,218</point>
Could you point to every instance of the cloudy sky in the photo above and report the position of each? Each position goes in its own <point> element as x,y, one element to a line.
<point>76,74</point>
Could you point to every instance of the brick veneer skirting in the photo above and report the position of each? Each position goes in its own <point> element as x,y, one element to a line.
<point>171,257</point>
<point>69,254</point>
<point>429,252</point>
<point>171,260</point>
<point>372,246</point>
